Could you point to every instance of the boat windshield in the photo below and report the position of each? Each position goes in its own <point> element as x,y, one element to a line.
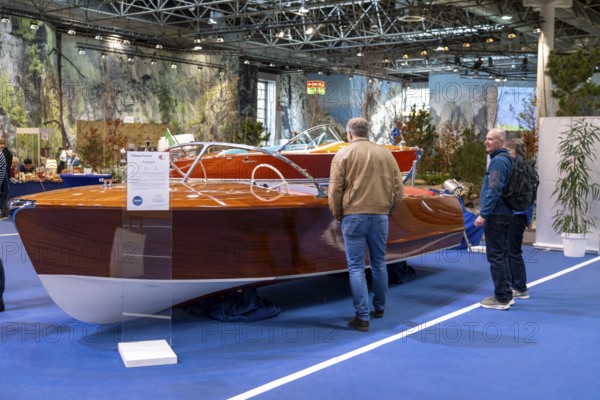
<point>311,138</point>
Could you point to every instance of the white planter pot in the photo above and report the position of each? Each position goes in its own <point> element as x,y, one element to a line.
<point>574,244</point>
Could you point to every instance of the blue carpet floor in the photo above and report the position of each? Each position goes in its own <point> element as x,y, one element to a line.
<point>434,342</point>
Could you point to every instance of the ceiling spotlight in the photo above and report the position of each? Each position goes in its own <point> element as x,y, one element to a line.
<point>271,65</point>
<point>153,62</point>
<point>405,55</point>
<point>246,62</point>
<point>158,46</point>
<point>173,66</point>
<point>34,26</point>
<point>359,54</point>
<point>220,39</point>
<point>442,47</point>
<point>71,32</point>
<point>221,72</point>
<point>320,72</point>
<point>537,29</point>
<point>310,29</point>
<point>506,17</point>
<point>386,60</point>
<point>597,68</point>
<point>81,51</point>
<point>280,34</point>
<point>98,37</point>
<point>248,36</point>
<point>130,60</point>
<point>197,48</point>
<point>5,20</point>
<point>125,41</point>
<point>489,40</point>
<point>466,44</point>
<point>512,35</point>
<point>197,40</point>
<point>104,56</point>
<point>424,52</point>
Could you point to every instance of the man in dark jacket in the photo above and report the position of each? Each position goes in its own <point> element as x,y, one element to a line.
<point>496,217</point>
<point>8,158</point>
<point>2,178</point>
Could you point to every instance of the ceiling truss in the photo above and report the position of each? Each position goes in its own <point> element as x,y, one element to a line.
<point>373,37</point>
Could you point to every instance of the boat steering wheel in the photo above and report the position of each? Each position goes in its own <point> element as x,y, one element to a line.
<point>283,182</point>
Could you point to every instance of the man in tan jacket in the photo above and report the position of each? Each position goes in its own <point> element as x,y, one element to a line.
<point>365,185</point>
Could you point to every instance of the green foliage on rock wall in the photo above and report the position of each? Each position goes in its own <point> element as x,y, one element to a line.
<point>21,28</point>
<point>167,104</point>
<point>12,101</point>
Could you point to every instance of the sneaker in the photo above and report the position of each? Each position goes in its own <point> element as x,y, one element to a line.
<point>491,302</point>
<point>359,324</point>
<point>378,313</point>
<point>520,295</point>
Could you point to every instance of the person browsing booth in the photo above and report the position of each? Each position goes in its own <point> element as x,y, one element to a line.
<point>365,185</point>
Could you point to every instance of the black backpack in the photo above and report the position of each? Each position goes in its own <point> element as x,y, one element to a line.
<point>521,190</point>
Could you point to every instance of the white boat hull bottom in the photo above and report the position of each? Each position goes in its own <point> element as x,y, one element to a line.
<point>107,300</point>
<point>101,300</point>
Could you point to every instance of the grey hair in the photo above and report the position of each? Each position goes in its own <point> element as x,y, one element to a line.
<point>517,145</point>
<point>359,127</point>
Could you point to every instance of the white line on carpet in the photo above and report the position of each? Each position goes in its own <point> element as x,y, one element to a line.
<point>336,360</point>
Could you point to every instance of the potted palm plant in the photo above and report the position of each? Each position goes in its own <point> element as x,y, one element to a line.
<point>575,189</point>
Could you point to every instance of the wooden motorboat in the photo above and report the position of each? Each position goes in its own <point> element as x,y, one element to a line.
<point>312,150</point>
<point>218,235</point>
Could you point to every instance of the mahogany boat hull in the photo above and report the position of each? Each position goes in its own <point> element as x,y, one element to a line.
<point>241,165</point>
<point>237,236</point>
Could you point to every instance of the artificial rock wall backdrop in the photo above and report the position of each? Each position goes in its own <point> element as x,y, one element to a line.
<point>47,82</point>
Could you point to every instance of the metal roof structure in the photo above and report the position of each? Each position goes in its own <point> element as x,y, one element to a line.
<point>396,39</point>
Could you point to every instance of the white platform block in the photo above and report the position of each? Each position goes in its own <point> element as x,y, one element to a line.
<point>147,353</point>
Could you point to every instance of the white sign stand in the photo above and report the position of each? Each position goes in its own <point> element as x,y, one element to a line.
<point>147,189</point>
<point>147,353</point>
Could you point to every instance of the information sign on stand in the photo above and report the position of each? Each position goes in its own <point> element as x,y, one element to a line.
<point>143,249</point>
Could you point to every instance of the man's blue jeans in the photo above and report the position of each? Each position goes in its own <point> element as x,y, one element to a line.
<point>496,230</point>
<point>361,231</point>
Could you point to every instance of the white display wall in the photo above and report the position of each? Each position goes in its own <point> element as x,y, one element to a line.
<point>550,130</point>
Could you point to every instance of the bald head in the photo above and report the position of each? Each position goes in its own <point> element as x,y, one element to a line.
<point>494,140</point>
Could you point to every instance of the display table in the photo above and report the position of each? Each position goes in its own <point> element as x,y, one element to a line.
<point>73,180</point>
<point>24,188</point>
